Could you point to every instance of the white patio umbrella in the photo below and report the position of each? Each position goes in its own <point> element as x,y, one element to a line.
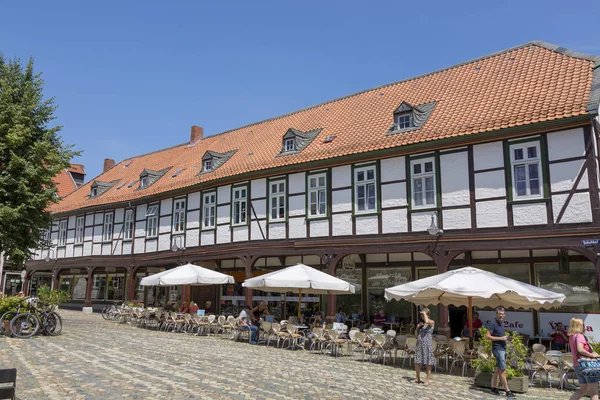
<point>300,279</point>
<point>465,285</point>
<point>188,274</point>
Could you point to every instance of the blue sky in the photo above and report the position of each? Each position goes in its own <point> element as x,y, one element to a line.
<point>130,77</point>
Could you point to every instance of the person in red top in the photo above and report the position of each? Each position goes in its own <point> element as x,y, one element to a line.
<point>559,337</point>
<point>379,319</point>
<point>476,325</point>
<point>580,348</point>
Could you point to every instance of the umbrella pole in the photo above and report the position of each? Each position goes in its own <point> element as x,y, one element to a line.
<point>299,303</point>
<point>470,320</point>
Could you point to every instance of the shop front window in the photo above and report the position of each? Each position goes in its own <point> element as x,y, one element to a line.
<point>518,272</point>
<point>380,279</point>
<point>116,287</point>
<point>351,303</point>
<point>79,287</point>
<point>578,282</point>
<point>99,287</point>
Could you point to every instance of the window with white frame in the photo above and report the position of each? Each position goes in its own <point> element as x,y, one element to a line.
<point>240,205</point>
<point>423,183</point>
<point>62,232</point>
<point>144,181</point>
<point>365,189</point>
<point>79,229</point>
<point>317,195</point>
<point>208,164</point>
<point>289,145</point>
<point>403,121</point>
<point>526,170</point>
<point>152,221</point>
<point>209,205</point>
<point>107,231</point>
<point>277,200</point>
<point>128,225</point>
<point>179,215</point>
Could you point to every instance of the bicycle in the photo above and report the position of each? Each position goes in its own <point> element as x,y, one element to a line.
<point>8,316</point>
<point>36,319</point>
<point>113,311</point>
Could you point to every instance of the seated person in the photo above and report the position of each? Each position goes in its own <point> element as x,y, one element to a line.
<point>208,309</point>
<point>340,316</point>
<point>319,322</point>
<point>243,322</point>
<point>560,338</point>
<point>169,307</point>
<point>362,319</point>
<point>193,308</point>
<point>476,325</point>
<point>379,320</point>
<point>308,314</point>
<point>184,307</point>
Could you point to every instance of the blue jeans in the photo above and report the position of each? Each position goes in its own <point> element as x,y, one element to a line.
<point>500,356</point>
<point>254,332</point>
<point>585,379</point>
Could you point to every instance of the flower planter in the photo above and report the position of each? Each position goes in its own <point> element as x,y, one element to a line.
<point>515,384</point>
<point>6,327</point>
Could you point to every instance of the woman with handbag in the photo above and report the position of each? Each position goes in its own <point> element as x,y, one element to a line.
<point>582,351</point>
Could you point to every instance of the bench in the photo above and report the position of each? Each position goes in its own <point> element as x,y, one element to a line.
<point>8,376</point>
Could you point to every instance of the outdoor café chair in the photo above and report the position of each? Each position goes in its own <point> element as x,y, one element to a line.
<point>399,346</point>
<point>316,340</point>
<point>538,348</point>
<point>364,342</point>
<point>409,350</point>
<point>460,355</point>
<point>293,337</point>
<point>381,346</point>
<point>335,343</point>
<point>391,333</point>
<point>542,366</point>
<point>567,364</point>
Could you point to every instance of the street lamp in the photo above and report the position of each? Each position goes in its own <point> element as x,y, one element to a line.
<point>50,258</point>
<point>433,229</point>
<point>177,244</point>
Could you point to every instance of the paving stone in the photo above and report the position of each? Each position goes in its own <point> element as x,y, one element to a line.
<point>98,359</point>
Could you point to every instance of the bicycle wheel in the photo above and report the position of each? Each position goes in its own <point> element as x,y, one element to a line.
<point>52,324</point>
<point>7,316</point>
<point>105,311</point>
<point>24,325</point>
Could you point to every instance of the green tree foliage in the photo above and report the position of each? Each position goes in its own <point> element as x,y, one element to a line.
<point>31,154</point>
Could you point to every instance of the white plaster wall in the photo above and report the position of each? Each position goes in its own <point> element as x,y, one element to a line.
<point>140,212</point>
<point>255,230</point>
<point>393,169</point>
<point>566,144</point>
<point>87,248</point>
<point>139,245</point>
<point>78,251</point>
<point>224,194</point>
<point>60,252</point>
<point>564,174</point>
<point>117,232</point>
<point>193,200</point>
<point>71,221</point>
<point>140,228</point>
<point>207,238</point>
<point>193,219</point>
<point>119,214</point>
<point>223,235</point>
<point>70,236</point>
<point>394,221</point>
<point>97,249</point>
<point>126,248</point>
<point>223,215</point>
<point>260,207</point>
<point>89,220</point>
<point>106,249</point>
<point>97,234</point>
<point>240,233</point>
<point>488,155</point>
<point>420,221</point>
<point>578,210</point>
<point>340,176</point>
<point>192,238</point>
<point>491,214</point>
<point>297,183</point>
<point>341,200</point>
<point>164,242</point>
<point>88,233</point>
<point>166,206</point>
<point>297,228</point>
<point>98,218</point>
<point>297,205</point>
<point>69,250</point>
<point>277,231</point>
<point>368,225</point>
<point>341,224</point>
<point>454,169</point>
<point>490,184</point>
<point>393,195</point>
<point>165,224</point>
<point>258,188</point>
<point>319,228</point>
<point>456,219</point>
<point>151,245</point>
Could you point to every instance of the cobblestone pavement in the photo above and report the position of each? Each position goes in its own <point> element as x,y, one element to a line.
<point>98,359</point>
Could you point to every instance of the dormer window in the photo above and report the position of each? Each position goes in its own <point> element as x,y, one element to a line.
<point>143,181</point>
<point>148,177</point>
<point>98,188</point>
<point>208,165</point>
<point>213,160</point>
<point>289,145</point>
<point>403,121</point>
<point>94,192</point>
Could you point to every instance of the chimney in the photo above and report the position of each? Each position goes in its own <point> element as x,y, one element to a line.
<point>196,133</point>
<point>108,164</point>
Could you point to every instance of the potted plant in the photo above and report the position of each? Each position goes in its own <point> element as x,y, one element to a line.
<point>516,352</point>
<point>52,298</point>
<point>8,303</point>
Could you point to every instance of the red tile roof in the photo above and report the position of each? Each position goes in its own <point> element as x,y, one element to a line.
<point>77,168</point>
<point>524,85</point>
<point>64,183</point>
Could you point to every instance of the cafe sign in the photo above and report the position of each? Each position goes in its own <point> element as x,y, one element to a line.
<point>348,264</point>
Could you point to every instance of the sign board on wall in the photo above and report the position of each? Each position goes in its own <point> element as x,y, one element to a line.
<point>520,321</point>
<point>592,322</point>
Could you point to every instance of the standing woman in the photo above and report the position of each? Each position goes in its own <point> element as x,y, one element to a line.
<point>580,348</point>
<point>424,352</point>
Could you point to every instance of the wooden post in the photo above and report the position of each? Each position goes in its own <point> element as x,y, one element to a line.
<point>90,283</point>
<point>55,283</point>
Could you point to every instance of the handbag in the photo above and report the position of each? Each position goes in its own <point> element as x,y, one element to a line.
<point>589,366</point>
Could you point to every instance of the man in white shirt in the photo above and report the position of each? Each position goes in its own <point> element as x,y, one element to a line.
<point>243,322</point>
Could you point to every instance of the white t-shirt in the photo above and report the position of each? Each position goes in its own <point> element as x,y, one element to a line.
<point>244,316</point>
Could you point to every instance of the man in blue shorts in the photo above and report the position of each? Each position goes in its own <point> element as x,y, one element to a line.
<point>498,337</point>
